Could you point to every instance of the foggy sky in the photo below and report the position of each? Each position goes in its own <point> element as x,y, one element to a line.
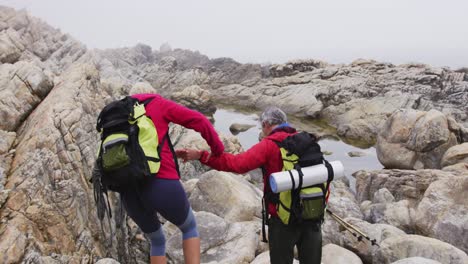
<point>259,31</point>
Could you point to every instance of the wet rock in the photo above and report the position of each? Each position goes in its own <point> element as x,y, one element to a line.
<point>357,154</point>
<point>237,128</point>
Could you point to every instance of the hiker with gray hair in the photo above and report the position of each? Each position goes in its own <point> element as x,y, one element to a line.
<point>267,155</point>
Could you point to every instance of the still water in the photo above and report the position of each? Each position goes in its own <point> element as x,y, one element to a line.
<point>337,149</point>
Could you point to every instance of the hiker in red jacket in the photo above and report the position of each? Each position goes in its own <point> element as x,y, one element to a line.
<point>266,154</point>
<point>165,194</point>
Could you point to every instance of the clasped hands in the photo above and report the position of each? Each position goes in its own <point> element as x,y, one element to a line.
<point>188,154</point>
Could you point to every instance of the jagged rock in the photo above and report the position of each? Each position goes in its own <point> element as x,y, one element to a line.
<point>221,241</point>
<point>416,260</point>
<point>294,67</point>
<point>402,184</point>
<point>415,140</point>
<point>24,86</point>
<point>10,46</point>
<point>227,196</point>
<point>51,202</point>
<point>427,202</point>
<point>168,63</point>
<point>383,209</point>
<point>332,254</point>
<point>455,154</point>
<point>6,155</point>
<point>399,247</point>
<point>398,214</point>
<point>236,128</point>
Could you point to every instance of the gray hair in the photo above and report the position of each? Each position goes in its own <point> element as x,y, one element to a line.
<point>273,116</point>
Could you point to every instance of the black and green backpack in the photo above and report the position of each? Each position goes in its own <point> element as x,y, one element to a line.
<point>128,152</point>
<point>301,204</point>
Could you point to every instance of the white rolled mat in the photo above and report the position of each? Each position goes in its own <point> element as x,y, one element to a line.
<point>281,181</point>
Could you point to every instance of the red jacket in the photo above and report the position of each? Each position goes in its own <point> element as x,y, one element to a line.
<point>162,112</point>
<point>265,154</point>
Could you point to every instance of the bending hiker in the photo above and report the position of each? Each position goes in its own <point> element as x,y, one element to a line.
<point>285,231</point>
<point>160,192</point>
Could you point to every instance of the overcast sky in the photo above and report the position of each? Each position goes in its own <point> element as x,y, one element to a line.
<point>259,31</point>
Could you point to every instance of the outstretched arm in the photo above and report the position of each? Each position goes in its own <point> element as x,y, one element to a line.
<point>253,158</point>
<point>188,118</point>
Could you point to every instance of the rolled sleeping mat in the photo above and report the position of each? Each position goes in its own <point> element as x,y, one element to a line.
<point>281,181</point>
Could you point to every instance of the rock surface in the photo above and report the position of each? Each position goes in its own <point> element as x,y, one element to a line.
<point>415,140</point>
<point>52,88</point>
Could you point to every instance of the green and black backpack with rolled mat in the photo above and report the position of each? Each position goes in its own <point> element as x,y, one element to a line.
<point>300,205</point>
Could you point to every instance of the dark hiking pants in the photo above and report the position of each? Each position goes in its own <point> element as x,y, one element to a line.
<point>282,239</point>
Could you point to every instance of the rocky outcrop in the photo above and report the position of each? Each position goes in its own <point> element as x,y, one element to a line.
<point>427,202</point>
<point>416,140</point>
<point>53,87</point>
<point>49,209</point>
<point>442,212</point>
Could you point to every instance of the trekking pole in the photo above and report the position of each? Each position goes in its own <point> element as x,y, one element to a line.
<point>352,229</point>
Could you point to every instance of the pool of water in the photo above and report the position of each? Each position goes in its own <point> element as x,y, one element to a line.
<point>332,145</point>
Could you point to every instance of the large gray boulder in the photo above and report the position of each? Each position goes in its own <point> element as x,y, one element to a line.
<point>455,154</point>
<point>226,195</point>
<point>333,254</point>
<point>415,140</point>
<point>222,242</point>
<point>443,211</point>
